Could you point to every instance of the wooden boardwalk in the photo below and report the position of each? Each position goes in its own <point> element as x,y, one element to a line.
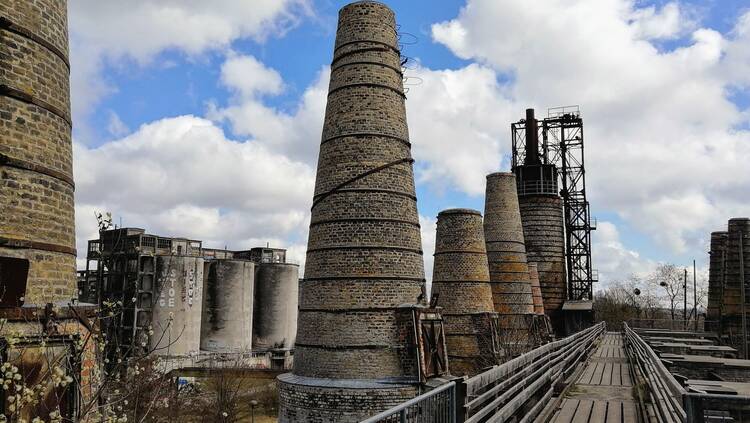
<point>603,393</point>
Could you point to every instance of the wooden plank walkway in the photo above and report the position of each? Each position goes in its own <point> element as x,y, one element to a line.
<point>603,392</point>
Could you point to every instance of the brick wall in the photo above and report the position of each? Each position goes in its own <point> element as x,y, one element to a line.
<point>314,404</point>
<point>506,256</point>
<point>36,176</point>
<point>461,278</point>
<point>542,218</point>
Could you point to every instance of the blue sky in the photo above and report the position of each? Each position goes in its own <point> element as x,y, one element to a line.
<point>490,61</point>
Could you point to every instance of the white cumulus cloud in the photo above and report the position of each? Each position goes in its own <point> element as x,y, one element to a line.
<point>663,144</point>
<point>182,176</point>
<point>116,33</point>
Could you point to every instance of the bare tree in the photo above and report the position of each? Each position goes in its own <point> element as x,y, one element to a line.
<point>626,299</point>
<point>670,279</point>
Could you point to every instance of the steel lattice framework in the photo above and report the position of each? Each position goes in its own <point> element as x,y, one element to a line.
<point>562,145</point>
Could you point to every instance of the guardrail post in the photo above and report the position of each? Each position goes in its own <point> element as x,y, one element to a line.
<point>459,400</point>
<point>453,406</point>
<point>402,416</point>
<point>693,409</point>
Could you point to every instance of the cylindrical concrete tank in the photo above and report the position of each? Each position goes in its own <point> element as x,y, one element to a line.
<point>536,292</point>
<point>737,252</point>
<point>506,255</point>
<point>544,234</point>
<point>227,320</point>
<point>176,315</point>
<point>461,278</point>
<point>364,252</point>
<point>717,257</point>
<point>36,170</point>
<point>275,309</point>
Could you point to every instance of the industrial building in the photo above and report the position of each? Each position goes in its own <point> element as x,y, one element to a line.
<point>177,298</point>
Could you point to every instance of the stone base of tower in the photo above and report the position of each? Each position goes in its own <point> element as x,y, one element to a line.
<point>472,342</point>
<point>51,275</point>
<point>316,400</point>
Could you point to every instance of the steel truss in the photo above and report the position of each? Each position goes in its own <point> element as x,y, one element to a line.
<point>561,133</point>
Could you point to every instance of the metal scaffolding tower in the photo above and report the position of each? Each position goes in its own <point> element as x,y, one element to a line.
<point>561,133</point>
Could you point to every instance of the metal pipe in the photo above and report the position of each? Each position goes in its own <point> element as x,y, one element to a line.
<point>532,139</point>
<point>684,300</point>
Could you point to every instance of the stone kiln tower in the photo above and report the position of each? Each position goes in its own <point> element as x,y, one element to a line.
<point>736,268</point>
<point>36,175</point>
<point>461,278</point>
<point>506,254</point>
<point>364,256</point>
<point>543,223</point>
<point>717,260</point>
<point>536,291</point>
<point>37,237</point>
<point>543,228</point>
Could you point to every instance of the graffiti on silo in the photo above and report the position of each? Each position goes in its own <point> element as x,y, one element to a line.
<point>177,315</point>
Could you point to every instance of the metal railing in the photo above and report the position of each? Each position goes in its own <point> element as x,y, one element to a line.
<point>702,407</point>
<point>503,393</point>
<point>664,392</point>
<point>517,390</point>
<point>538,187</point>
<point>671,401</point>
<point>437,405</point>
<point>667,324</point>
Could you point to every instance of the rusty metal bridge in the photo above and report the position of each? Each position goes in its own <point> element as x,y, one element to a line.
<point>599,376</point>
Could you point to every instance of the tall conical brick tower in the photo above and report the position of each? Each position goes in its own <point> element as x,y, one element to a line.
<point>506,256</point>
<point>364,254</point>
<point>461,278</point>
<point>36,171</point>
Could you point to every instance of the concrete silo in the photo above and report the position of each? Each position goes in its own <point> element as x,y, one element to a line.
<point>364,258</point>
<point>227,319</point>
<point>506,256</point>
<point>461,279</point>
<point>176,312</point>
<point>717,260</point>
<point>37,234</point>
<point>276,303</point>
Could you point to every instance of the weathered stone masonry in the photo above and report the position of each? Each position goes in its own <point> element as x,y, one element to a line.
<point>461,278</point>
<point>737,253</point>
<point>36,175</point>
<point>36,195</point>
<point>716,277</point>
<point>542,218</point>
<point>506,256</point>
<point>364,257</point>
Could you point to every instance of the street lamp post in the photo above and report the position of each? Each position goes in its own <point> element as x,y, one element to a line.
<point>695,299</point>
<point>636,293</point>
<point>684,300</point>
<point>253,404</point>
